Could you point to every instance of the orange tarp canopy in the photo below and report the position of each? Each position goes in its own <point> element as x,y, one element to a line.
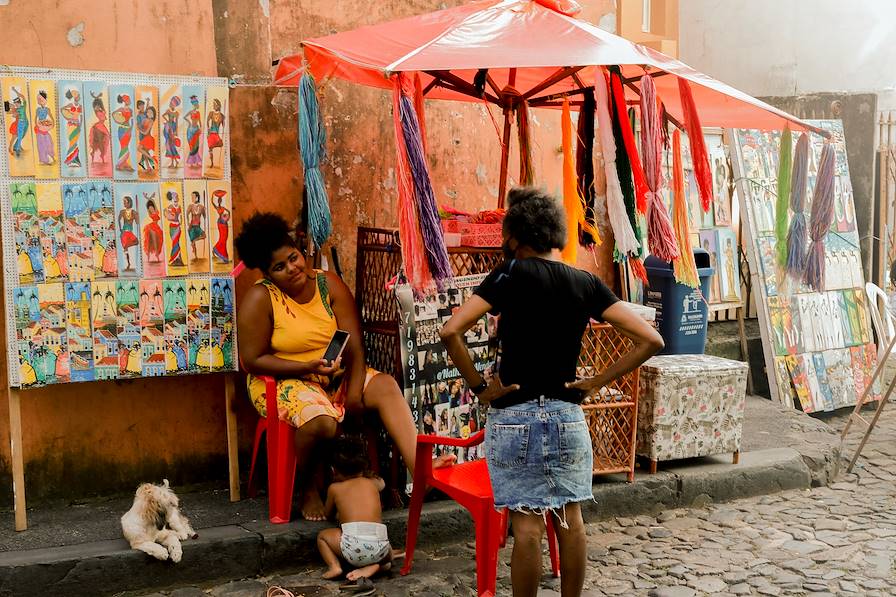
<point>522,38</point>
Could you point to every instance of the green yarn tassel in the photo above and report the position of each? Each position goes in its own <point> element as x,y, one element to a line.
<point>785,165</point>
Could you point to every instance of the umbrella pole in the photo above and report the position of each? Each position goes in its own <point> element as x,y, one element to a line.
<point>505,141</point>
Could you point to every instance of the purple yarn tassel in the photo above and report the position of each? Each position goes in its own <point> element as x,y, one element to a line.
<point>796,236</point>
<point>821,217</point>
<point>428,214</point>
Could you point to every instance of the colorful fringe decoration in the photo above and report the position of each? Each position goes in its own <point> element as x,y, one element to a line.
<point>620,125</point>
<point>427,210</point>
<point>627,244</point>
<point>572,201</point>
<point>628,139</point>
<point>313,147</point>
<point>414,261</point>
<point>585,163</point>
<point>821,217</point>
<point>527,169</point>
<point>796,236</point>
<point>420,109</point>
<point>785,162</point>
<point>699,157</point>
<point>660,235</point>
<point>685,267</point>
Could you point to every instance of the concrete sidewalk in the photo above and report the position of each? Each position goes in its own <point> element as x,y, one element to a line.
<point>76,549</point>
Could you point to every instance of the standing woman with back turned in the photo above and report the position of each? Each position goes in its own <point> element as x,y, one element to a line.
<point>537,443</point>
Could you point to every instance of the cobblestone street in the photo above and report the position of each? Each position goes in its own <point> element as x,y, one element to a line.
<point>835,540</point>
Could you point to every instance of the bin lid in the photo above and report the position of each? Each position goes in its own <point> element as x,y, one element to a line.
<point>657,266</point>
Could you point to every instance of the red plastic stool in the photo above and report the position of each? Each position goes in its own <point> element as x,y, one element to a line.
<point>469,485</point>
<point>281,457</point>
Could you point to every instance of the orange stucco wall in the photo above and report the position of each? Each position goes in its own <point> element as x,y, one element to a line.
<point>108,436</point>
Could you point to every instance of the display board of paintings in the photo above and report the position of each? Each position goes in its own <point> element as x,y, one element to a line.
<point>118,240</point>
<point>439,399</point>
<point>818,345</point>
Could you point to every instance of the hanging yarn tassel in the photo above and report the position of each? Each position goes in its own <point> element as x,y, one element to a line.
<point>527,169</point>
<point>699,157</point>
<point>420,109</point>
<point>628,140</point>
<point>627,244</point>
<point>821,216</point>
<point>684,268</point>
<point>796,236</point>
<point>427,211</point>
<point>620,124</point>
<point>785,162</point>
<point>660,235</point>
<point>416,267</point>
<point>313,147</point>
<point>572,202</point>
<point>585,162</point>
<point>664,125</point>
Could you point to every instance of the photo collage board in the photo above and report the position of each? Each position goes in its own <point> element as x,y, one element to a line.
<point>819,348</point>
<point>440,400</point>
<point>714,230</point>
<point>118,233</point>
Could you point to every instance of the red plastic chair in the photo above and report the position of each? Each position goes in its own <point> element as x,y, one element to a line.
<point>281,450</point>
<point>469,485</point>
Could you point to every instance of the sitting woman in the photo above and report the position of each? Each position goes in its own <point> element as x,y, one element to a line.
<point>285,322</point>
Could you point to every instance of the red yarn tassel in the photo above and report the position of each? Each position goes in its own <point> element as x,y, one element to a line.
<point>419,109</point>
<point>638,269</point>
<point>413,254</point>
<point>628,137</point>
<point>699,157</point>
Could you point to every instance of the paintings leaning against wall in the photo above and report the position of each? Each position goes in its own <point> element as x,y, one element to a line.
<point>818,345</point>
<point>440,400</point>
<point>118,250</point>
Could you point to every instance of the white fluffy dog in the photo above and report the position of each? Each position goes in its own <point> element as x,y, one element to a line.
<point>154,524</point>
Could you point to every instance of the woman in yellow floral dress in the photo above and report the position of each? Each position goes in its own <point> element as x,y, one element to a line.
<point>286,321</point>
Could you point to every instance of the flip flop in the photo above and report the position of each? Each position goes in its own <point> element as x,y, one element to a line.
<point>363,586</point>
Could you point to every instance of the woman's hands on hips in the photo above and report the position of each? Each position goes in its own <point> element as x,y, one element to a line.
<point>496,389</point>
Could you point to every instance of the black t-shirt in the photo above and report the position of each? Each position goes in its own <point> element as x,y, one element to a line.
<point>544,307</point>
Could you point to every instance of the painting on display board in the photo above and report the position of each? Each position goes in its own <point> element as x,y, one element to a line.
<point>124,142</point>
<point>174,232</point>
<point>173,131</point>
<point>151,310</point>
<point>46,131</point>
<point>130,352</point>
<point>194,116</point>
<point>72,135</point>
<point>439,399</point>
<point>104,312</point>
<point>175,331</point>
<point>28,333</point>
<point>99,138</point>
<point>51,351</point>
<point>222,231</point>
<point>825,334</point>
<point>19,130</point>
<point>197,221</point>
<point>198,323</point>
<point>29,252</point>
<point>222,324</point>
<point>710,243</point>
<point>729,266</point>
<point>127,231</point>
<point>146,130</point>
<point>78,234</point>
<point>52,231</point>
<point>215,120</point>
<point>102,228</point>
<point>152,238</point>
<point>78,330</point>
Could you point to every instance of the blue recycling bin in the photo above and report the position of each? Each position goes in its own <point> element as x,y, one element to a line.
<point>682,312</point>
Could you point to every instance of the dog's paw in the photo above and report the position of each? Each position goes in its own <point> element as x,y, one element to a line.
<point>155,550</point>
<point>176,553</point>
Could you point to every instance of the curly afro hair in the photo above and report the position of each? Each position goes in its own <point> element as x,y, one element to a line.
<point>535,219</point>
<point>261,235</point>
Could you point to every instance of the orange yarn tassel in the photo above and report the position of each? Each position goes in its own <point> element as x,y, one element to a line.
<point>413,254</point>
<point>699,157</point>
<point>572,201</point>
<point>628,137</point>
<point>685,268</point>
<point>638,270</point>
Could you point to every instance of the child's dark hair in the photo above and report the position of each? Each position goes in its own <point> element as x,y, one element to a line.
<point>350,456</point>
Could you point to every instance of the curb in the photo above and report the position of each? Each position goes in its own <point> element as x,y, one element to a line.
<point>261,548</point>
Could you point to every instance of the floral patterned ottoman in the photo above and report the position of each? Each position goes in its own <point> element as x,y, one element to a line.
<point>690,405</point>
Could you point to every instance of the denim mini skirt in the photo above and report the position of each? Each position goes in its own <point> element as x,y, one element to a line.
<point>539,455</point>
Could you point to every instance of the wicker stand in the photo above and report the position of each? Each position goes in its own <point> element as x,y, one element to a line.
<point>611,418</point>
